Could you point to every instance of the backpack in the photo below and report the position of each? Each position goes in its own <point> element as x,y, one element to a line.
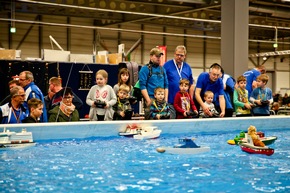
<point>136,89</point>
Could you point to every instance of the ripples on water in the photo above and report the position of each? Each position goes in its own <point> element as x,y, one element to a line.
<point>119,164</point>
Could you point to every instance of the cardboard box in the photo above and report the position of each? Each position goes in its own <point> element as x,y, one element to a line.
<point>8,54</point>
<point>102,59</point>
<point>55,55</point>
<point>115,58</point>
<point>86,58</point>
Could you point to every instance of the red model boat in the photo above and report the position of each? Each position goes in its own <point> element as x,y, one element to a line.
<point>256,150</point>
<point>248,146</point>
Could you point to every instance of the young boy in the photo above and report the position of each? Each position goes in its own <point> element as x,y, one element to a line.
<point>35,111</point>
<point>183,103</point>
<point>242,105</point>
<point>261,97</point>
<point>208,98</point>
<point>159,108</point>
<point>122,108</point>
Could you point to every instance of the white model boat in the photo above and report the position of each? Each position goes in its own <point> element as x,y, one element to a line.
<point>185,146</point>
<point>12,139</point>
<point>149,132</point>
<point>130,130</point>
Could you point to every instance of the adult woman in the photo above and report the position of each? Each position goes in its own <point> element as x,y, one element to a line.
<point>65,111</point>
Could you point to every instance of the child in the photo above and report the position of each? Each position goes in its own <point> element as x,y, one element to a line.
<point>208,98</point>
<point>122,108</point>
<point>183,103</point>
<point>101,98</point>
<point>35,111</point>
<point>242,105</point>
<point>261,97</point>
<point>159,108</point>
<point>124,78</point>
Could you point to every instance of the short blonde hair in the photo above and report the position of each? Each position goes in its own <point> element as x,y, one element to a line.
<point>264,78</point>
<point>207,93</point>
<point>55,80</point>
<point>104,73</point>
<point>159,89</point>
<point>125,88</point>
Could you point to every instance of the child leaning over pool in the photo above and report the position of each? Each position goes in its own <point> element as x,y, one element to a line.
<point>101,98</point>
<point>35,107</point>
<point>183,103</point>
<point>208,98</point>
<point>122,108</point>
<point>242,105</point>
<point>159,108</point>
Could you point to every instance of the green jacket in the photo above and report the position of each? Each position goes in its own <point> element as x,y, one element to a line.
<point>62,117</point>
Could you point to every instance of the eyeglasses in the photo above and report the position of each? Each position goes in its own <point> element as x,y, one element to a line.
<point>180,55</point>
<point>21,79</point>
<point>68,97</point>
<point>22,95</point>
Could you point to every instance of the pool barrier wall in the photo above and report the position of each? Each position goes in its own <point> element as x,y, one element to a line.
<point>87,129</point>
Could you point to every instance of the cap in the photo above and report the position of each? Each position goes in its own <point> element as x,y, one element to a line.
<point>156,52</point>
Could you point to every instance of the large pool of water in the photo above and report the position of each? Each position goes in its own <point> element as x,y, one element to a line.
<point>119,164</point>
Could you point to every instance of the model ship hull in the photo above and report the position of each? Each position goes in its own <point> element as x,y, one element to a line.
<point>10,139</point>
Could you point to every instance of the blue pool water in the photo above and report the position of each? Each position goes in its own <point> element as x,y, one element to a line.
<point>119,164</point>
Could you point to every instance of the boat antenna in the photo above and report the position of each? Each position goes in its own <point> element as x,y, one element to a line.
<point>65,88</point>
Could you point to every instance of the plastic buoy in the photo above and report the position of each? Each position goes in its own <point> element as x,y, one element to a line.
<point>160,149</point>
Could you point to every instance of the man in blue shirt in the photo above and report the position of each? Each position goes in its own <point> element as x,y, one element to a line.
<point>177,69</point>
<point>210,81</point>
<point>26,80</point>
<point>152,76</point>
<point>251,77</point>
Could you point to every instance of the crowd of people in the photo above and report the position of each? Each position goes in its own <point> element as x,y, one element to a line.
<point>168,92</point>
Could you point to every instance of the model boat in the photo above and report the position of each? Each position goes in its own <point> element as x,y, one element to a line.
<point>149,132</point>
<point>248,146</point>
<point>140,132</point>
<point>185,146</point>
<point>130,130</point>
<point>12,139</point>
<point>241,138</point>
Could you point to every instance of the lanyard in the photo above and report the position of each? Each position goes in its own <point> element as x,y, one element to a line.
<point>15,114</point>
<point>178,71</point>
<point>120,104</point>
<point>263,93</point>
<point>154,103</point>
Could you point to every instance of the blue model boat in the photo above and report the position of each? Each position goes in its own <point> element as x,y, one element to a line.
<point>185,146</point>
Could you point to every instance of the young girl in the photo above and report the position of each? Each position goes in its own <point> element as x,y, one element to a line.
<point>242,105</point>
<point>123,78</point>
<point>101,98</point>
<point>183,103</point>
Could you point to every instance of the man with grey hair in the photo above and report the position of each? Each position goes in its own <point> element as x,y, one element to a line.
<point>14,111</point>
<point>177,69</point>
<point>26,80</point>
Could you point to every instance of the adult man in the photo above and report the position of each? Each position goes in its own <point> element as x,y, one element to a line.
<point>251,76</point>
<point>14,111</point>
<point>151,76</point>
<point>11,84</point>
<point>31,91</point>
<point>229,87</point>
<point>210,81</point>
<point>177,69</point>
<point>56,87</point>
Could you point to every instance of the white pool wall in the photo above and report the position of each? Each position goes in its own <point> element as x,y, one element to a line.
<point>86,129</point>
